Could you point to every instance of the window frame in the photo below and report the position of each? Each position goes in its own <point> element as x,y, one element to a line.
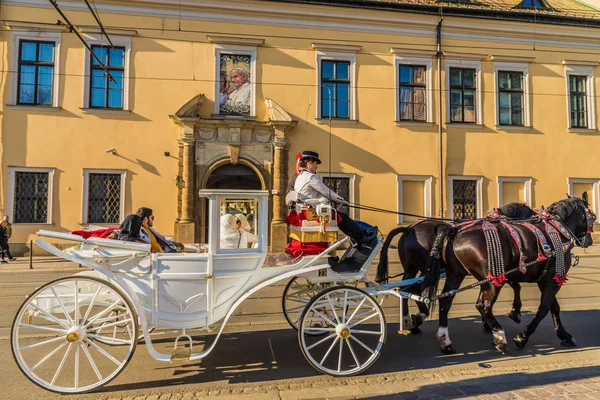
<point>465,64</point>
<point>86,188</point>
<point>11,193</point>
<point>48,37</point>
<point>110,69</point>
<point>527,188</point>
<point>427,193</point>
<point>241,50</point>
<point>513,67</point>
<point>595,202</point>
<point>99,40</point>
<point>478,193</point>
<point>324,55</point>
<point>427,62</point>
<point>351,185</point>
<point>588,72</point>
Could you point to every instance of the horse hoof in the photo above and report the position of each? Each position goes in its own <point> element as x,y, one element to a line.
<point>570,342</point>
<point>501,347</point>
<point>515,316</point>
<point>448,350</point>
<point>520,341</point>
<point>486,328</point>
<point>416,331</point>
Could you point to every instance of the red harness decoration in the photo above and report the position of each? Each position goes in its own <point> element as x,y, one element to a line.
<point>517,239</point>
<point>541,240</point>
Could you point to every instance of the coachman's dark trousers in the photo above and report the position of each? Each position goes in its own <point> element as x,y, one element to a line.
<point>351,228</point>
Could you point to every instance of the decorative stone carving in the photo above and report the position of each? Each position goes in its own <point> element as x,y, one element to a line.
<point>235,136</point>
<point>191,109</point>
<point>261,136</point>
<point>206,133</point>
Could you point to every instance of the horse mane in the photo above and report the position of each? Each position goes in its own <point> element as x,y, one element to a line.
<point>516,210</point>
<point>566,207</point>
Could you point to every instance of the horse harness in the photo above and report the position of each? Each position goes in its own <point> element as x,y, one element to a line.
<point>555,230</point>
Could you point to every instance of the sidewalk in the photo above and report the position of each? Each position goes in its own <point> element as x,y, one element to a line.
<point>52,263</point>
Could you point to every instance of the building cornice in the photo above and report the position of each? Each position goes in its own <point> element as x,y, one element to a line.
<point>582,63</point>
<point>342,48</point>
<point>33,26</point>
<point>511,59</point>
<point>236,40</point>
<point>415,21</point>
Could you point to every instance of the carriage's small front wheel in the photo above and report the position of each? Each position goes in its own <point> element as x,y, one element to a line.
<point>58,336</point>
<point>352,331</point>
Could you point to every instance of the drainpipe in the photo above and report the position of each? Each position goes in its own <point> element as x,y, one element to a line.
<point>440,132</point>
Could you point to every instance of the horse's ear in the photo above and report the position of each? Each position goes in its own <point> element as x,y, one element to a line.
<point>568,196</point>
<point>584,196</point>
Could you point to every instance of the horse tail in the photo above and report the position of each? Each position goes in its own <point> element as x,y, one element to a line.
<point>383,268</point>
<point>435,264</point>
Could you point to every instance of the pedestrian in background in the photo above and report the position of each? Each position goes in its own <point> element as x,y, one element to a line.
<point>8,229</point>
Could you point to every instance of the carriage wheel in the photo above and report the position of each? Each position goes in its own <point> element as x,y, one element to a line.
<point>354,330</point>
<point>296,296</point>
<point>58,336</point>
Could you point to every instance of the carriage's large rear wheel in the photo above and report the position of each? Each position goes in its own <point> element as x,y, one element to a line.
<point>352,334</point>
<point>296,296</point>
<point>58,335</point>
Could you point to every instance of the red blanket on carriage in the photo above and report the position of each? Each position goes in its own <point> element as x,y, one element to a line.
<point>99,233</point>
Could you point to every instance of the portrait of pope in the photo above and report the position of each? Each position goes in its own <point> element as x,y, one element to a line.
<point>235,91</point>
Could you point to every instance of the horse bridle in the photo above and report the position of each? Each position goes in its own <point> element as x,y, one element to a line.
<point>590,217</point>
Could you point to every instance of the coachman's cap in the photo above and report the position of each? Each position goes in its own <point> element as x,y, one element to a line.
<point>310,156</point>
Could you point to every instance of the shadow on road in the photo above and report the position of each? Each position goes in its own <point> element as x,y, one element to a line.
<point>267,356</point>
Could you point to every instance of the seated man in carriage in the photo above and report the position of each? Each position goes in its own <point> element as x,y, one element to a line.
<point>309,186</point>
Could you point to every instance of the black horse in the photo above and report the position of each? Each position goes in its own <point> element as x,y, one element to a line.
<point>414,248</point>
<point>465,252</point>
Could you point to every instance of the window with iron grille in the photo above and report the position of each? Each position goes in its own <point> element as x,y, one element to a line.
<point>510,97</point>
<point>578,100</point>
<point>104,198</point>
<point>412,93</point>
<point>335,93</point>
<point>464,201</point>
<point>462,95</point>
<point>31,197</point>
<point>342,187</point>
<point>36,72</point>
<point>104,93</point>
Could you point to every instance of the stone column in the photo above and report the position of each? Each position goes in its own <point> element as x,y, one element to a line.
<point>280,179</point>
<point>186,228</point>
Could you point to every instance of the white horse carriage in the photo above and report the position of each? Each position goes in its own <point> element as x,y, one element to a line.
<point>77,333</point>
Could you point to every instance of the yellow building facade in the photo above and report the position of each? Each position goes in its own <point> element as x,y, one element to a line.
<point>223,94</point>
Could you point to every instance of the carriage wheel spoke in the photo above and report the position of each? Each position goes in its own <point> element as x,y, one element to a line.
<point>375,314</point>
<point>91,360</point>
<point>62,363</point>
<point>76,313</point>
<point>109,339</point>
<point>43,328</point>
<point>366,332</point>
<point>60,303</point>
<point>333,309</point>
<point>101,313</point>
<point>340,356</point>
<point>76,367</point>
<point>345,307</point>
<point>363,345</point>
<point>356,310</point>
<point>87,313</point>
<point>320,341</point>
<point>296,298</point>
<point>295,308</point>
<point>319,329</point>
<point>352,351</point>
<point>43,360</point>
<point>111,324</point>
<point>329,350</point>
<point>50,316</point>
<point>103,352</point>
<point>325,318</point>
<point>56,339</point>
